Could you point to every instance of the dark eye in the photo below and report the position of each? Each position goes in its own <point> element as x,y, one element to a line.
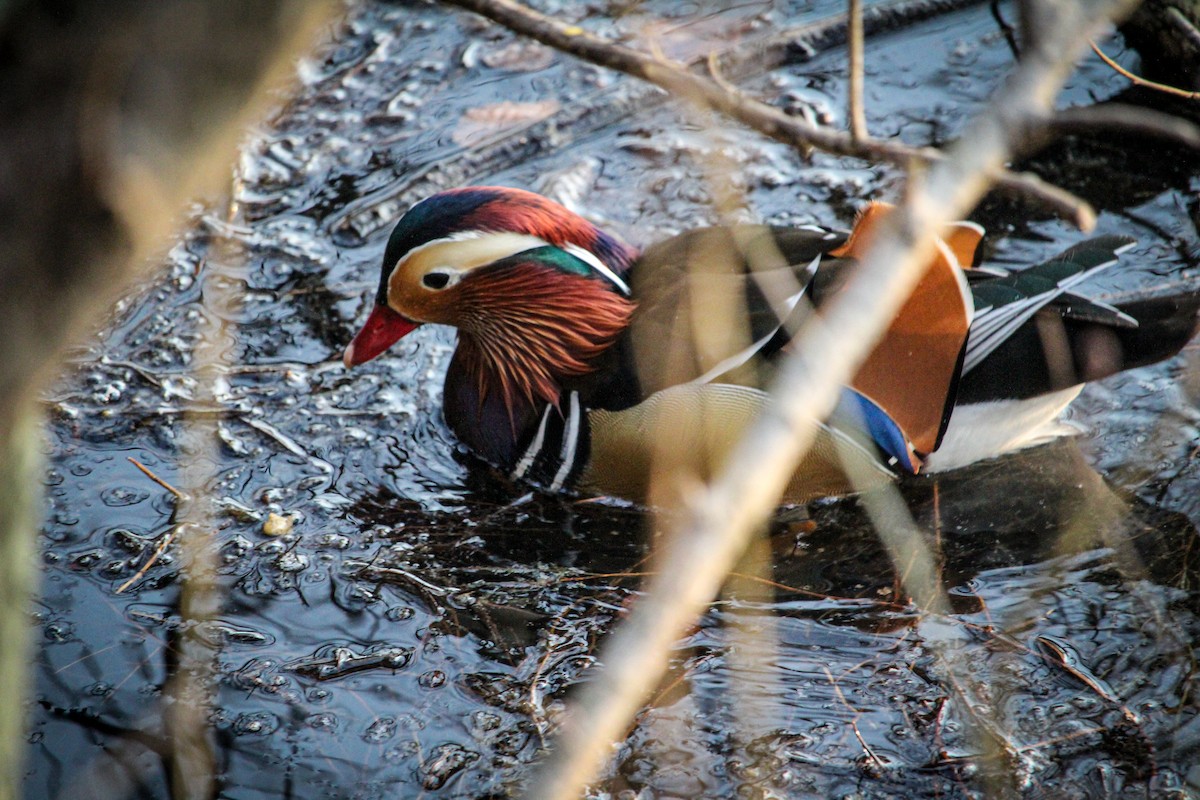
<point>435,280</point>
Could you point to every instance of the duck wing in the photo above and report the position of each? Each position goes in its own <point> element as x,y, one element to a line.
<point>712,303</point>
<point>1003,305</point>
<point>718,304</point>
<point>907,386</point>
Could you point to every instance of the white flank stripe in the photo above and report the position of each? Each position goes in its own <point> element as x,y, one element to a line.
<point>809,272</point>
<point>570,441</point>
<point>984,430</point>
<point>742,356</point>
<point>534,448</point>
<point>735,360</point>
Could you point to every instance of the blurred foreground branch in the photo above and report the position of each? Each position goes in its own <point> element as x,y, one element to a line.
<point>705,540</point>
<point>115,115</point>
<point>763,118</point>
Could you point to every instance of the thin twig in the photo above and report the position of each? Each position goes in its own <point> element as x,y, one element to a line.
<point>1056,653</point>
<point>166,540</point>
<point>287,443</point>
<point>853,719</point>
<point>163,544</point>
<point>714,71</point>
<point>1139,80</point>
<point>1184,28</point>
<point>146,471</point>
<point>1010,33</point>
<point>769,121</point>
<point>606,107</point>
<point>854,36</point>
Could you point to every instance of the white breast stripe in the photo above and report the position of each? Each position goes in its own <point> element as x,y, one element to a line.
<point>534,448</point>
<point>570,441</point>
<point>595,263</point>
<point>826,233</point>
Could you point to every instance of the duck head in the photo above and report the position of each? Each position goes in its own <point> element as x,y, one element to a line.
<point>447,236</point>
<point>535,291</point>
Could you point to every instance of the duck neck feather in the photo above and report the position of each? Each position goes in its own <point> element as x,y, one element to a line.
<point>526,330</point>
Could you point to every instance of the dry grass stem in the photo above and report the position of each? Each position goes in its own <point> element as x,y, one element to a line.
<point>854,715</point>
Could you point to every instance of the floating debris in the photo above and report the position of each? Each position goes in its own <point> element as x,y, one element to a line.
<point>277,524</point>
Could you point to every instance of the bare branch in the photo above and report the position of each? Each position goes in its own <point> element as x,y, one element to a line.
<point>1127,119</point>
<point>704,542</point>
<point>763,118</point>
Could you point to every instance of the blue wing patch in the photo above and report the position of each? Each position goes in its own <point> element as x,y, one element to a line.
<point>882,429</point>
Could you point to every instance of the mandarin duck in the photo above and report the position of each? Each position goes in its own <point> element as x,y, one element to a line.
<point>584,365</point>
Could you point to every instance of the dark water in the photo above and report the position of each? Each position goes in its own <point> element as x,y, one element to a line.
<point>418,629</point>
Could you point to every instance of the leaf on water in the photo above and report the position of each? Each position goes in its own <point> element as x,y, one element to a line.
<point>693,39</point>
<point>482,122</point>
<point>520,56</point>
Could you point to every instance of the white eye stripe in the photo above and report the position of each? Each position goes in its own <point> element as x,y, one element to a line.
<point>486,247</point>
<point>460,236</point>
<point>495,245</point>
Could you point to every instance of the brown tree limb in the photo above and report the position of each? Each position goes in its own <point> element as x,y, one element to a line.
<point>704,541</point>
<point>763,118</point>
